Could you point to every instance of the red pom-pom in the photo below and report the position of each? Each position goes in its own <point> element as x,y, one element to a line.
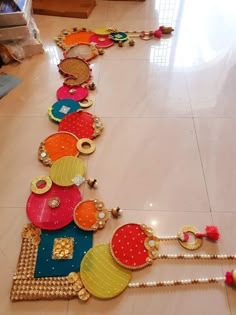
<point>228,278</point>
<point>158,33</point>
<point>212,233</point>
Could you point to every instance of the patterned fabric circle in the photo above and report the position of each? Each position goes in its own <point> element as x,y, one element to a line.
<point>101,275</point>
<point>82,124</point>
<point>90,215</point>
<point>76,93</point>
<point>102,31</point>
<point>102,41</point>
<point>85,215</point>
<point>59,214</point>
<point>56,146</point>
<point>119,36</point>
<point>77,37</point>
<point>131,246</point>
<point>64,170</point>
<point>62,108</point>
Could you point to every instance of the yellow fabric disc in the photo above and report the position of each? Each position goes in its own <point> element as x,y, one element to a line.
<point>65,169</point>
<point>102,31</point>
<point>101,275</point>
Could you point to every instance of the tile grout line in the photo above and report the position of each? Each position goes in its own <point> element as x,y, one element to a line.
<point>200,156</point>
<point>197,142</point>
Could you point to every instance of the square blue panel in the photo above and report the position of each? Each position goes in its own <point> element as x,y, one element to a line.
<point>46,266</point>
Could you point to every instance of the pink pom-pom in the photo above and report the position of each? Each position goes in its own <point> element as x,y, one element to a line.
<point>228,278</point>
<point>158,33</point>
<point>211,232</point>
<point>186,236</point>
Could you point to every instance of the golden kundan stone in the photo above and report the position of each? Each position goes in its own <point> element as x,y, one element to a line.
<point>73,277</point>
<point>63,248</point>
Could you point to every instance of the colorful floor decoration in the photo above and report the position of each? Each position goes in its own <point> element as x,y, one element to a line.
<point>57,258</point>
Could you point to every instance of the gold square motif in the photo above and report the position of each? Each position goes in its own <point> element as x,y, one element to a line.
<point>63,248</point>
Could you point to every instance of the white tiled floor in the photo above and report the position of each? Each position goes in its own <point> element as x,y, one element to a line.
<point>166,156</point>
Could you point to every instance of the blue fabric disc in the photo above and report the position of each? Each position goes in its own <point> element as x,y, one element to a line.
<point>62,108</point>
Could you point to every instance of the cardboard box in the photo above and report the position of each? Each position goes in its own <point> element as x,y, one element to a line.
<point>70,8</point>
<point>9,17</point>
<point>19,32</point>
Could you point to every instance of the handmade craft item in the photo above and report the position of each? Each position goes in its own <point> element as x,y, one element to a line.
<point>62,108</point>
<point>76,71</point>
<point>86,103</point>
<point>56,146</point>
<point>46,258</point>
<point>43,253</point>
<point>101,275</point>
<point>82,124</point>
<point>68,171</point>
<point>147,35</point>
<point>53,209</point>
<point>102,31</point>
<point>211,233</point>
<point>72,36</point>
<point>105,279</point>
<point>119,36</point>
<point>86,51</point>
<point>64,171</point>
<point>101,41</point>
<point>76,93</point>
<point>86,146</point>
<point>91,215</point>
<point>135,246</point>
<point>41,184</point>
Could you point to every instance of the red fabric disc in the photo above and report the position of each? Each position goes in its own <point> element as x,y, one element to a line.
<point>45,217</point>
<point>79,123</point>
<point>76,93</point>
<point>127,246</point>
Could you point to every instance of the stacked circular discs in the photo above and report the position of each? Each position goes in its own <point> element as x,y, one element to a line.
<point>106,269</point>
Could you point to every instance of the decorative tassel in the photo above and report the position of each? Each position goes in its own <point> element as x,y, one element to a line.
<point>228,278</point>
<point>158,33</point>
<point>211,232</point>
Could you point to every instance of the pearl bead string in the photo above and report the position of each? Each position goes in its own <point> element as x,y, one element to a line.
<point>168,238</point>
<point>175,282</point>
<point>201,256</point>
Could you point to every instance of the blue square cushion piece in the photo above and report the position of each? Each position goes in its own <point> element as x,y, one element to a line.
<point>46,266</point>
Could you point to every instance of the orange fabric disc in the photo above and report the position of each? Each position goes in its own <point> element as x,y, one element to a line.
<point>79,37</point>
<point>85,215</point>
<point>58,145</point>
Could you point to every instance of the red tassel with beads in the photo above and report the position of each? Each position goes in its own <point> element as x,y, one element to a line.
<point>211,232</point>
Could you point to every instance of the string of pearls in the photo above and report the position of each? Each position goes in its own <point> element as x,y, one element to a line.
<point>168,238</point>
<point>175,282</point>
<point>192,256</point>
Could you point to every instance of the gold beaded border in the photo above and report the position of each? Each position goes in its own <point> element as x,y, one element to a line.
<point>26,287</point>
<point>98,126</point>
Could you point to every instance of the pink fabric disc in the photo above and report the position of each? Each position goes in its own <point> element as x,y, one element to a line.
<point>45,217</point>
<point>77,93</point>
